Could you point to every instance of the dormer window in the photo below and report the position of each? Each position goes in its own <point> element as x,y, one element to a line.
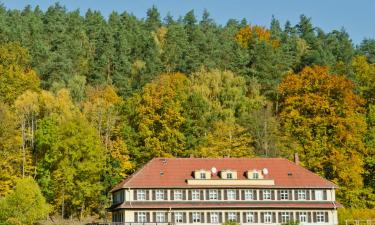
<point>255,175</point>
<point>203,175</point>
<point>229,176</point>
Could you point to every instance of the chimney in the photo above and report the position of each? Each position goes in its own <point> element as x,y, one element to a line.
<point>296,158</point>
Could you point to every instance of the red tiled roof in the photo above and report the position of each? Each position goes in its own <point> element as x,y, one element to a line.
<point>173,172</point>
<point>215,205</point>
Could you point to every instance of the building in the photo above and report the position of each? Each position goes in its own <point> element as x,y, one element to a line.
<point>212,191</point>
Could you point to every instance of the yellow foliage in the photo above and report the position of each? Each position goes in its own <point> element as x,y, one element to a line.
<point>249,34</point>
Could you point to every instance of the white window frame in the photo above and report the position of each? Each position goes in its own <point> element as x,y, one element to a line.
<point>196,217</point>
<point>320,217</point>
<point>177,195</point>
<point>302,217</point>
<point>284,194</point>
<point>159,195</point>
<point>195,195</point>
<point>142,218</point>
<point>319,195</point>
<point>178,217</point>
<point>267,217</point>
<point>203,175</point>
<point>231,194</point>
<point>232,216</point>
<point>141,195</point>
<point>249,194</point>
<point>213,194</point>
<point>250,217</point>
<point>255,175</point>
<point>301,195</point>
<point>160,217</point>
<point>267,195</point>
<point>214,217</point>
<point>285,217</point>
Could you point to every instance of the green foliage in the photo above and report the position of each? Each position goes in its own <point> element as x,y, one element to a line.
<point>291,222</point>
<point>25,205</point>
<point>230,223</point>
<point>355,214</point>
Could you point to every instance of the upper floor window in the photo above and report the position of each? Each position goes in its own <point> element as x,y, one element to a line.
<point>229,176</point>
<point>284,194</point>
<point>178,217</point>
<point>142,217</point>
<point>141,195</point>
<point>177,194</point>
<point>320,217</point>
<point>255,175</point>
<point>302,217</point>
<point>160,217</point>
<point>203,175</point>
<point>284,217</point>
<point>195,195</point>
<point>250,217</point>
<point>267,194</point>
<point>301,194</point>
<point>159,195</point>
<point>213,195</point>
<point>196,217</point>
<point>214,217</point>
<point>231,194</point>
<point>318,195</point>
<point>232,216</point>
<point>267,217</point>
<point>249,195</point>
<point>118,196</point>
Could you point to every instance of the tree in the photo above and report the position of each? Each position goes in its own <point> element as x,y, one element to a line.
<point>326,118</point>
<point>25,205</point>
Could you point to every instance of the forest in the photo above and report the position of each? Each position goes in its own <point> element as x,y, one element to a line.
<point>86,100</point>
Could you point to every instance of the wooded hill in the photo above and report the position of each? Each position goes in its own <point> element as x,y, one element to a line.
<point>86,100</point>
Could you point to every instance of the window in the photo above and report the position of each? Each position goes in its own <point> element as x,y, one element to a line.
<point>203,175</point>
<point>232,216</point>
<point>195,195</point>
<point>229,176</point>
<point>118,197</point>
<point>141,195</point>
<point>320,217</point>
<point>177,195</point>
<point>301,194</point>
<point>196,217</point>
<point>302,217</point>
<point>249,195</point>
<point>142,217</point>
<point>284,217</point>
<point>284,195</point>
<point>250,217</point>
<point>267,217</point>
<point>178,217</point>
<point>231,194</point>
<point>212,195</point>
<point>267,194</point>
<point>159,195</point>
<point>160,217</point>
<point>318,195</point>
<point>255,175</point>
<point>214,216</point>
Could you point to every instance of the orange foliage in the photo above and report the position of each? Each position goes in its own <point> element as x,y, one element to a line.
<point>248,35</point>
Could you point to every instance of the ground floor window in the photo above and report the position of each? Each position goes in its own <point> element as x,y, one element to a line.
<point>249,217</point>
<point>302,217</point>
<point>214,217</point>
<point>142,217</point>
<point>284,217</point>
<point>268,217</point>
<point>117,217</point>
<point>196,217</point>
<point>178,217</point>
<point>232,216</point>
<point>320,217</point>
<point>160,217</point>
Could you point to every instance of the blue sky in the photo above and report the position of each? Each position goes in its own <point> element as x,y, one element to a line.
<point>357,17</point>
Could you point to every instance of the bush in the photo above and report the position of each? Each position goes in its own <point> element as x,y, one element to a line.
<point>291,222</point>
<point>355,214</point>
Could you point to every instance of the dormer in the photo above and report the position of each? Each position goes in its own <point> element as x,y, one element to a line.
<point>202,174</point>
<point>228,174</point>
<point>254,174</point>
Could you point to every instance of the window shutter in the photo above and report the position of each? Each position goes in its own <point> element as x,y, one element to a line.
<point>219,194</point>
<point>202,217</point>
<point>172,194</point>
<point>274,217</point>
<point>297,216</point>
<point>154,217</point>
<point>166,219</point>
<point>313,195</point>
<point>165,194</point>
<point>172,217</point>
<point>309,217</point>
<point>136,216</point>
<point>220,217</point>
<point>314,217</point>
<point>326,217</point>
<point>238,194</point>
<point>226,217</point>
<point>255,194</point>
<point>201,195</point>
<point>153,195</point>
<point>184,217</point>
<point>273,194</point>
<point>208,217</point>
<point>225,194</point>
<point>290,196</point>
<point>278,195</point>
<point>191,217</point>
<point>244,217</point>
<point>242,194</point>
<point>238,217</point>
<point>324,194</point>
<point>256,217</point>
<point>148,217</point>
<point>135,194</point>
<point>189,194</point>
<point>262,217</point>
<point>207,194</point>
<point>291,216</point>
<point>261,195</point>
<point>147,195</point>
<point>279,217</point>
<point>295,194</point>
<point>308,194</point>
<point>183,194</point>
